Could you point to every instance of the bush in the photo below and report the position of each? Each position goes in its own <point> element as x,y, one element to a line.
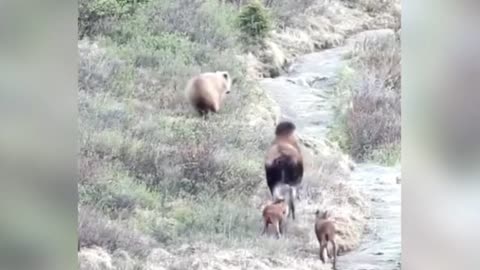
<point>100,16</point>
<point>217,217</point>
<point>371,6</point>
<point>202,21</point>
<point>254,22</point>
<point>116,194</point>
<point>96,230</point>
<point>289,12</point>
<point>368,122</point>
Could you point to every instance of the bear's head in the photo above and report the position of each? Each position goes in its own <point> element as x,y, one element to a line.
<point>228,80</point>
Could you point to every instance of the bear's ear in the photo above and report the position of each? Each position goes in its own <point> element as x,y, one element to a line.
<point>225,75</point>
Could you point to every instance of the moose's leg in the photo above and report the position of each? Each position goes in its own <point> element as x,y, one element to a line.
<point>277,230</point>
<point>322,250</point>
<point>292,208</point>
<point>265,227</point>
<point>273,175</point>
<point>334,254</point>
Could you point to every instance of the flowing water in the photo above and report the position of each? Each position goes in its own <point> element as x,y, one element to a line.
<point>304,95</point>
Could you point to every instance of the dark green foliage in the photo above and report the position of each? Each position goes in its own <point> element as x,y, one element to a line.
<point>254,22</point>
<point>101,16</point>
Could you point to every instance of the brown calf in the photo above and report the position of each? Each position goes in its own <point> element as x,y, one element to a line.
<point>325,231</point>
<point>276,215</point>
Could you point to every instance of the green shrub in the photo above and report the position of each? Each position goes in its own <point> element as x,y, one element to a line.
<point>388,154</point>
<point>213,218</point>
<point>205,22</point>
<point>153,51</point>
<point>100,16</point>
<point>115,193</point>
<point>254,22</point>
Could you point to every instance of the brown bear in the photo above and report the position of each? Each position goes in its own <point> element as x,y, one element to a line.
<point>207,91</point>
<point>284,160</point>
<point>325,231</point>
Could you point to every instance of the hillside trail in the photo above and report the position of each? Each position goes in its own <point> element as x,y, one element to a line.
<point>304,95</point>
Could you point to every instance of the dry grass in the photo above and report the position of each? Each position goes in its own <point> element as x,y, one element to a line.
<point>288,12</point>
<point>375,117</point>
<point>96,230</point>
<point>369,110</point>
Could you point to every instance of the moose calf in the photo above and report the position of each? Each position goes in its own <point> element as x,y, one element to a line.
<point>276,215</point>
<point>325,231</point>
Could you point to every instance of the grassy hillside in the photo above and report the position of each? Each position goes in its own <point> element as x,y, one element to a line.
<point>151,171</point>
